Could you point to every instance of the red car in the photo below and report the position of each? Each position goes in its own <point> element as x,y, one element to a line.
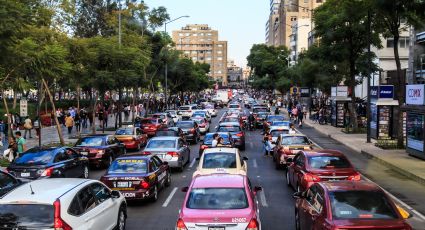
<point>150,125</point>
<point>327,165</point>
<point>132,137</point>
<point>220,201</point>
<point>346,205</point>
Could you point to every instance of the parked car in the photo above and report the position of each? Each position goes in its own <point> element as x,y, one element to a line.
<point>151,125</point>
<point>190,130</point>
<point>63,203</point>
<point>287,146</point>
<point>101,149</point>
<point>220,200</point>
<point>208,138</point>
<point>132,137</point>
<point>49,162</point>
<point>170,149</point>
<point>137,176</point>
<point>222,160</point>
<point>8,182</point>
<point>235,129</point>
<point>347,205</point>
<point>326,165</point>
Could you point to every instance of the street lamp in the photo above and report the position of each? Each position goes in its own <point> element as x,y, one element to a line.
<point>166,64</point>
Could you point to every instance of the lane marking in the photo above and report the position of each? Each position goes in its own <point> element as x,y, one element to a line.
<point>254,162</point>
<point>167,201</point>
<point>263,199</point>
<point>408,207</point>
<point>193,163</point>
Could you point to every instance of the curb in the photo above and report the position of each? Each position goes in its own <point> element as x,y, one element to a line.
<point>394,167</point>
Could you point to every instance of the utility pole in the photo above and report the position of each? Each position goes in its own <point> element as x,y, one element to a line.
<point>368,111</point>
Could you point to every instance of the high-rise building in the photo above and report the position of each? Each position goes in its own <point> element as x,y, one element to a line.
<point>234,75</point>
<point>272,33</point>
<point>201,44</point>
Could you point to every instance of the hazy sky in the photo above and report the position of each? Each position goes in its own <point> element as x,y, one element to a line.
<point>240,22</point>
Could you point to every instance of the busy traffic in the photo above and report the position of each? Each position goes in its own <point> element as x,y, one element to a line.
<point>242,164</point>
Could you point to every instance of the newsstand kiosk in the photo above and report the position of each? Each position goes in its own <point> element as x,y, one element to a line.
<point>339,106</point>
<point>382,110</point>
<point>415,112</point>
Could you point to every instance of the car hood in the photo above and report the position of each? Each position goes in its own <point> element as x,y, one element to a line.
<point>211,216</point>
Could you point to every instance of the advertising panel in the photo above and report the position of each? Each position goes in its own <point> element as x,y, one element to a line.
<point>415,94</point>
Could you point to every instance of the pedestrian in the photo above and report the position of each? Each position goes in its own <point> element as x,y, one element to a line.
<point>77,122</point>
<point>215,140</point>
<point>11,152</point>
<point>300,118</point>
<point>267,138</point>
<point>21,143</point>
<point>292,129</point>
<point>37,127</point>
<point>27,127</point>
<point>105,118</point>
<point>276,111</point>
<point>69,123</point>
<point>83,118</point>
<point>100,117</point>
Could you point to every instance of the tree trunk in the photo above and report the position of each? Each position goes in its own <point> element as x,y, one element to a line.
<point>352,104</point>
<point>15,95</point>
<point>401,81</point>
<point>133,111</point>
<point>119,107</point>
<point>58,126</point>
<point>93,114</point>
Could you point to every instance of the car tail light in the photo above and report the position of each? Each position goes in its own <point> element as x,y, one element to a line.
<point>144,184</point>
<point>253,225</point>
<point>192,130</point>
<point>173,154</point>
<point>311,177</point>
<point>99,153</point>
<point>239,134</point>
<point>355,177</point>
<point>58,223</point>
<point>204,147</point>
<point>180,225</point>
<point>47,172</point>
<point>147,153</point>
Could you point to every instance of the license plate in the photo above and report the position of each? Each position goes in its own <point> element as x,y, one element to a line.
<point>25,174</point>
<point>122,184</point>
<point>216,228</point>
<point>146,127</point>
<point>84,153</point>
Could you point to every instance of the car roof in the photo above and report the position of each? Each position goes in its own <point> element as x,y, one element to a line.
<point>45,190</point>
<point>164,138</point>
<point>185,121</point>
<point>350,186</point>
<point>218,181</point>
<point>324,152</point>
<point>278,128</point>
<point>97,135</point>
<point>223,149</point>
<point>229,124</point>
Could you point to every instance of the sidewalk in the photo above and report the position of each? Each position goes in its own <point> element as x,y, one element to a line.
<point>397,160</point>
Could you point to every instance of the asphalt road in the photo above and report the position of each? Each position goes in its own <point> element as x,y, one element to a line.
<point>276,202</point>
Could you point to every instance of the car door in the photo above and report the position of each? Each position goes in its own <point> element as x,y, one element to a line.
<point>110,207</point>
<point>181,150</point>
<point>83,210</point>
<point>76,162</point>
<point>64,164</point>
<point>298,170</point>
<point>290,170</point>
<point>161,171</point>
<point>305,208</point>
<point>314,207</point>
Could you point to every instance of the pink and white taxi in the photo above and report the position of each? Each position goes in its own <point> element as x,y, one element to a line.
<point>220,202</point>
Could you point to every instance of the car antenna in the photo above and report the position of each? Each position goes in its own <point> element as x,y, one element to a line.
<point>32,191</point>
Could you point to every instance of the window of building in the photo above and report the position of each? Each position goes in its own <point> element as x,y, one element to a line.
<point>180,34</point>
<point>187,45</point>
<point>208,58</point>
<point>201,58</point>
<point>209,34</point>
<point>187,52</point>
<point>201,34</point>
<point>220,45</point>
<point>219,72</point>
<point>219,59</point>
<point>403,42</point>
<point>194,52</point>
<point>195,34</point>
<point>390,43</point>
<point>219,52</point>
<point>187,34</point>
<point>201,40</point>
<point>194,58</point>
<point>305,1</point>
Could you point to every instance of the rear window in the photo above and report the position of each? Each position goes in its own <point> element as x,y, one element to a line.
<point>361,205</point>
<point>185,125</point>
<point>328,162</point>
<point>256,110</point>
<point>90,141</point>
<point>219,160</point>
<point>229,129</point>
<point>209,137</point>
<point>149,121</point>
<point>217,198</point>
<point>295,140</point>
<point>159,144</point>
<point>166,133</point>
<point>275,118</point>
<point>34,216</point>
<point>35,158</point>
<point>161,116</point>
<point>280,123</point>
<point>128,166</point>
<point>231,119</point>
<point>276,133</point>
<point>184,108</point>
<point>124,132</point>
<point>234,106</point>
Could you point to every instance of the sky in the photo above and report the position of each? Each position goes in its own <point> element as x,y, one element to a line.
<point>240,22</point>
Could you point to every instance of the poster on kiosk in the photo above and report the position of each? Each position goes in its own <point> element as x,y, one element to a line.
<point>415,121</point>
<point>382,111</point>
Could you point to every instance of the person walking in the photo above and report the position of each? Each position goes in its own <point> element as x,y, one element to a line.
<point>69,123</point>
<point>37,127</point>
<point>27,127</point>
<point>267,143</point>
<point>77,122</point>
<point>21,143</point>
<point>300,118</point>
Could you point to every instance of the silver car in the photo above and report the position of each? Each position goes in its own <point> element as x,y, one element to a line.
<point>170,149</point>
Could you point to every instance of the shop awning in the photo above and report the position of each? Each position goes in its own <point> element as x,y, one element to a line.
<point>383,101</point>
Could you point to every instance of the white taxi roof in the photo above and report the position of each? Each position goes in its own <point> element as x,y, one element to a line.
<point>221,149</point>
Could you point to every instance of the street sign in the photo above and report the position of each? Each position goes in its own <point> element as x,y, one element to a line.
<point>386,91</point>
<point>294,90</point>
<point>23,107</point>
<point>374,91</point>
<point>333,91</point>
<point>342,91</point>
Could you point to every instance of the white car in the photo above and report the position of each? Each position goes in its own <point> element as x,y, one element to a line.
<point>186,110</point>
<point>63,203</point>
<point>210,108</point>
<point>174,116</point>
<point>221,160</point>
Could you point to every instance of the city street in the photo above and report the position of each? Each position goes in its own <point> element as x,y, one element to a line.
<point>276,202</point>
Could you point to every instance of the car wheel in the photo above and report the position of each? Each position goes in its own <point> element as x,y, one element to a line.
<point>287,179</point>
<point>155,194</point>
<point>297,221</point>
<point>168,180</point>
<point>86,172</point>
<point>121,222</point>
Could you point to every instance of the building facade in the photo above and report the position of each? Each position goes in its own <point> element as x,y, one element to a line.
<point>299,38</point>
<point>234,75</point>
<point>272,24</point>
<point>201,44</point>
<point>416,73</point>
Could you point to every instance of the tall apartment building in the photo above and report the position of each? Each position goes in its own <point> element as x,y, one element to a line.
<point>272,24</point>
<point>299,38</point>
<point>234,75</point>
<point>201,44</point>
<point>416,73</point>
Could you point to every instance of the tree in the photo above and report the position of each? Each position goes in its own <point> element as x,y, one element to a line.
<point>390,15</point>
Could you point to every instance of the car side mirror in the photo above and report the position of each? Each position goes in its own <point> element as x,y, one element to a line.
<point>115,194</point>
<point>298,195</point>
<point>185,189</point>
<point>245,158</point>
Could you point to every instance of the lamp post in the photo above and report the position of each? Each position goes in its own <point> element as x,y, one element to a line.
<point>166,63</point>
<point>368,110</point>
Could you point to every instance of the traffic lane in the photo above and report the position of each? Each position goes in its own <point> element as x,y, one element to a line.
<point>407,191</point>
<point>275,201</point>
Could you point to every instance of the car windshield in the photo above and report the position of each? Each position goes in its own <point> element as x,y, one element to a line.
<point>90,141</point>
<point>325,162</point>
<point>161,144</point>
<point>198,121</point>
<point>231,119</point>
<point>128,166</point>
<point>219,160</point>
<point>229,129</point>
<point>276,133</point>
<point>295,140</point>
<point>217,198</point>
<point>6,183</point>
<point>166,133</point>
<point>361,205</point>
<point>36,157</point>
<point>124,132</point>
<point>256,110</point>
<point>280,123</point>
<point>34,216</point>
<point>185,125</point>
<point>200,114</point>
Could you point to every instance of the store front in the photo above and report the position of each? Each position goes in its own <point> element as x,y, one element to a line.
<point>382,108</point>
<point>415,117</point>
